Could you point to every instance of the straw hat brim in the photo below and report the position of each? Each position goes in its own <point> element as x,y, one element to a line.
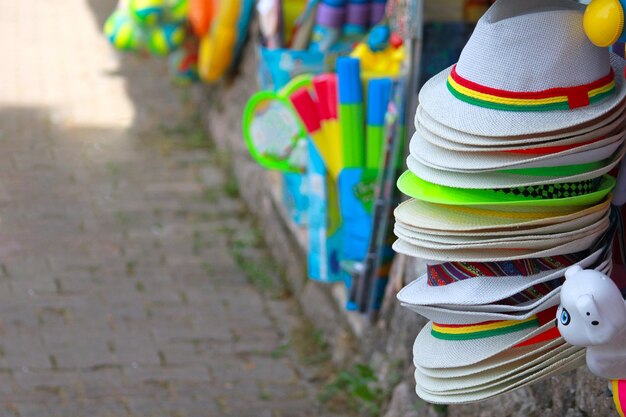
<point>478,314</point>
<point>510,233</point>
<point>416,187</point>
<point>525,241</point>
<point>494,377</point>
<point>444,315</point>
<point>505,359</point>
<point>480,290</point>
<point>443,220</point>
<point>446,109</point>
<point>565,364</point>
<point>493,255</point>
<point>440,158</point>
<point>453,140</point>
<point>488,180</point>
<point>456,140</point>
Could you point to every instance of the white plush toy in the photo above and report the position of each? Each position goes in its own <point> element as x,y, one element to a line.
<point>593,314</point>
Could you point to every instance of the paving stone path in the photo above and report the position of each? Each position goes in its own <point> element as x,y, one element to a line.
<point>131,281</point>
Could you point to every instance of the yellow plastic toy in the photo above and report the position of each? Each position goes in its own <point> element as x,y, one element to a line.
<point>217,47</point>
<point>604,22</point>
<point>386,63</point>
<point>225,38</point>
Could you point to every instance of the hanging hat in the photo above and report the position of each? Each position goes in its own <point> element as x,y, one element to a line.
<point>444,220</point>
<point>552,80</point>
<point>550,195</point>
<point>507,359</point>
<point>443,345</point>
<point>466,317</point>
<point>459,284</point>
<point>452,139</point>
<point>583,242</point>
<point>538,297</point>
<point>580,176</point>
<point>526,241</point>
<point>437,157</point>
<point>564,362</point>
<point>494,377</point>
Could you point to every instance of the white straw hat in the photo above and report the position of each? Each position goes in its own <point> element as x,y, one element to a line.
<point>456,220</point>
<point>483,290</point>
<point>440,158</point>
<point>459,317</point>
<point>563,364</point>
<point>501,179</point>
<point>502,86</point>
<point>433,352</point>
<point>511,233</point>
<point>449,138</point>
<point>506,359</point>
<point>454,140</point>
<point>494,377</point>
<point>462,314</point>
<point>482,255</point>
<point>524,241</point>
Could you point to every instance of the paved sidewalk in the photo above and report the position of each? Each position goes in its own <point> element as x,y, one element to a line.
<point>129,273</point>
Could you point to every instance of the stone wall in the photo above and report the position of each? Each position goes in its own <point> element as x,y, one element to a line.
<point>388,344</point>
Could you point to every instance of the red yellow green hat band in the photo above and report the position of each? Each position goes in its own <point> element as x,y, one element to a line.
<point>490,328</point>
<point>560,98</point>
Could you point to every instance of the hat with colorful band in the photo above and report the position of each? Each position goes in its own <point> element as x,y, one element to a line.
<point>482,290</point>
<point>559,98</point>
<point>529,297</point>
<point>508,179</point>
<point>416,187</point>
<point>463,315</point>
<point>446,220</point>
<point>553,80</point>
<point>440,158</point>
<point>433,351</point>
<point>446,137</point>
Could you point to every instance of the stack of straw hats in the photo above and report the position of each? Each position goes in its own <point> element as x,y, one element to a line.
<point>509,186</point>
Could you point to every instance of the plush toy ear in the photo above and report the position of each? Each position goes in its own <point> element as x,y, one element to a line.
<point>586,306</point>
<point>571,271</point>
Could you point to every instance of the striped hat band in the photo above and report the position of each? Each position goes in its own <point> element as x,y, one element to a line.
<point>491,328</point>
<point>560,98</point>
<point>451,272</point>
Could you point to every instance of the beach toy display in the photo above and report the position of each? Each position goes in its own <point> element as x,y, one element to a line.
<point>348,135</point>
<point>508,174</point>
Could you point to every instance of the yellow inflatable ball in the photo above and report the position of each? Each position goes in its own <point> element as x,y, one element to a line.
<point>177,10</point>
<point>123,33</point>
<point>166,38</point>
<point>147,12</point>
